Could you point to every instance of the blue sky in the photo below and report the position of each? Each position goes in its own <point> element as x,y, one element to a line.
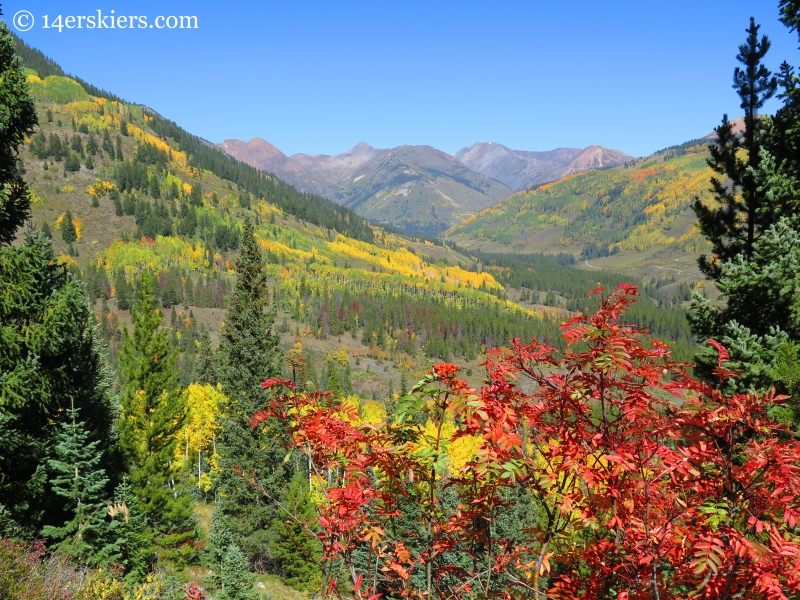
<point>318,77</point>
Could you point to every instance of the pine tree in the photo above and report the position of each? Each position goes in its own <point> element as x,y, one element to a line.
<point>236,582</point>
<point>196,195</point>
<point>249,353</point>
<point>49,360</point>
<point>124,291</point>
<point>152,415</point>
<point>297,553</point>
<point>755,270</point>
<point>119,149</point>
<point>19,120</point>
<point>54,147</point>
<point>68,228</point>
<point>78,477</point>
<point>137,553</point>
<point>46,231</point>
<point>205,369</point>
<point>91,145</point>
<point>108,146</point>
<point>117,203</point>
<point>77,144</point>
<point>743,213</point>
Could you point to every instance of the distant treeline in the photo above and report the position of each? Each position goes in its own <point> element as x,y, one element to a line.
<point>659,309</point>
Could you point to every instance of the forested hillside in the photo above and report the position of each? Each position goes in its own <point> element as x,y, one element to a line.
<point>640,206</point>
<point>215,386</point>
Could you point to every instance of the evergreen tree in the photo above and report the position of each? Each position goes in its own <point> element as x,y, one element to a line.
<point>757,273</point>
<point>137,553</point>
<point>249,353</point>
<point>68,233</point>
<point>196,195</point>
<point>205,369</point>
<point>49,359</point>
<point>77,144</point>
<point>743,213</point>
<point>72,164</point>
<point>124,291</point>
<point>114,194</point>
<point>18,122</point>
<point>90,166</point>
<point>119,149</point>
<point>244,199</point>
<point>155,188</point>
<point>236,582</point>
<point>46,231</point>
<point>54,148</point>
<point>91,145</point>
<point>108,146</point>
<point>152,414</point>
<point>297,553</point>
<point>79,478</point>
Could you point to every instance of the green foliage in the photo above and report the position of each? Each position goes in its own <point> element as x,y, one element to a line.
<point>297,553</point>
<point>55,88</point>
<point>152,413</point>
<point>205,369</point>
<point>761,313</point>
<point>249,353</point>
<point>91,146</point>
<point>72,164</point>
<point>742,213</point>
<point>49,360</point>
<point>235,579</point>
<point>136,553</point>
<point>640,207</point>
<point>19,120</point>
<point>68,233</point>
<point>78,478</point>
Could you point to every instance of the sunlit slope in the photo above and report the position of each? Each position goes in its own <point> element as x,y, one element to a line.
<point>141,203</point>
<point>639,206</point>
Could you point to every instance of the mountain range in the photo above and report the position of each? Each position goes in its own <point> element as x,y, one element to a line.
<point>637,212</point>
<point>419,189</point>
<point>521,170</point>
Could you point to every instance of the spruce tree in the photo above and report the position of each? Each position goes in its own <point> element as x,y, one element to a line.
<point>205,369</point>
<point>78,478</point>
<point>743,212</point>
<point>137,552</point>
<point>756,270</point>
<point>68,233</point>
<point>124,291</point>
<point>236,582</point>
<point>297,553</point>
<point>108,145</point>
<point>49,360</point>
<point>152,415</point>
<point>249,353</point>
<point>91,145</point>
<point>18,122</point>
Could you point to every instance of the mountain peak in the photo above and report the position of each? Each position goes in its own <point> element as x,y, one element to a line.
<point>519,169</point>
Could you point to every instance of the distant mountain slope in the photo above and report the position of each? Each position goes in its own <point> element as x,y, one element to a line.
<point>520,170</point>
<point>201,154</point>
<point>418,189</point>
<point>640,206</point>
